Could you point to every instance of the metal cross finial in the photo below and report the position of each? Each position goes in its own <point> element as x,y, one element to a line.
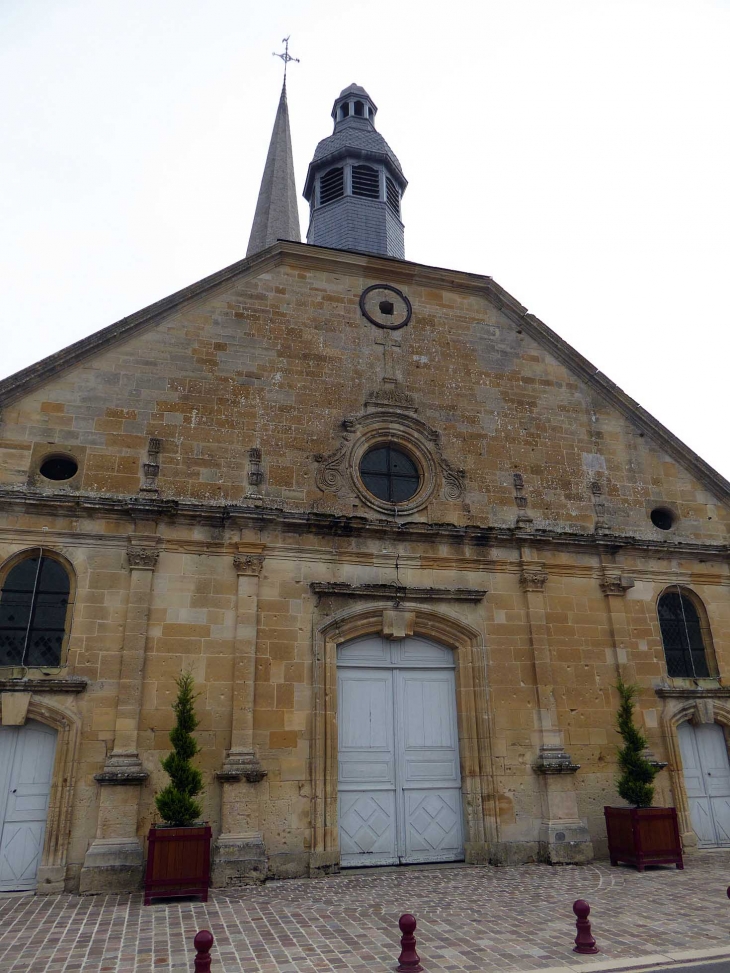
<point>286,56</point>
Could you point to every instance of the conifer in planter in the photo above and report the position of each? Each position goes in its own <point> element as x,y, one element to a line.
<point>178,858</point>
<point>641,834</point>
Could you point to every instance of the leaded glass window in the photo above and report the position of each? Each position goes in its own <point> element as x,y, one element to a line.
<point>33,608</point>
<point>681,627</point>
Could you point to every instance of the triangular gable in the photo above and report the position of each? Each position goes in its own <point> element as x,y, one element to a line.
<point>305,255</point>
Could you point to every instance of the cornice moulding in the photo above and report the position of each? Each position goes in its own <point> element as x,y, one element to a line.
<point>408,592</point>
<point>73,685</point>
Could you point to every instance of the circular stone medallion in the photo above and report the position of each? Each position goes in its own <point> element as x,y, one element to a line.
<point>385,307</point>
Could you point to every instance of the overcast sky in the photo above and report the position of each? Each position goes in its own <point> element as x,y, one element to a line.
<point>578,152</point>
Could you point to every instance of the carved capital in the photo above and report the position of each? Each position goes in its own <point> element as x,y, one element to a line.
<point>248,564</point>
<point>554,760</point>
<point>122,767</point>
<point>241,765</point>
<point>142,558</point>
<point>616,584</point>
<point>533,577</point>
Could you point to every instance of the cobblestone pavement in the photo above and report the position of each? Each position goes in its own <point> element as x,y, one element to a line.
<point>470,918</point>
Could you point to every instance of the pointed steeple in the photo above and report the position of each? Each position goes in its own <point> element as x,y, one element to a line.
<point>277,216</point>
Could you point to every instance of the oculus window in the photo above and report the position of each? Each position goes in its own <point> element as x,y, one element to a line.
<point>34,603</point>
<point>390,474</point>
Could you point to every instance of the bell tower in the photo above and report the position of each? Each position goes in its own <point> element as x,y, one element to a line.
<point>355,183</point>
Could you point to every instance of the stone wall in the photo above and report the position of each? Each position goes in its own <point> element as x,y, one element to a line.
<point>533,557</point>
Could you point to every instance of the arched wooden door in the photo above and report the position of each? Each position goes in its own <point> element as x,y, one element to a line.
<point>26,767</point>
<point>399,787</point>
<point>707,781</point>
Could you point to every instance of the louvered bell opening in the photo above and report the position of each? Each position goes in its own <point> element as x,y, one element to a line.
<point>365,182</point>
<point>392,195</point>
<point>331,186</point>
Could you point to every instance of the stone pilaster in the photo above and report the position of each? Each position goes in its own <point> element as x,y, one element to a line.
<point>563,837</point>
<point>114,861</point>
<point>239,855</point>
<point>614,586</point>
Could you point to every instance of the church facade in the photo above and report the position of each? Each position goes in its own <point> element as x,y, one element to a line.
<point>405,538</point>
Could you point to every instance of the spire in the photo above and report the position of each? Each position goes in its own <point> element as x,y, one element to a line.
<point>277,216</point>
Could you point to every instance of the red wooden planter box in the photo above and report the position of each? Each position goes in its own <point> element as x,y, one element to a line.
<point>643,836</point>
<point>178,863</point>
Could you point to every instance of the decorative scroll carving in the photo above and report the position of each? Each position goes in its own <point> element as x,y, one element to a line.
<point>151,468</point>
<point>330,475</point>
<point>249,564</point>
<point>389,417</point>
<point>454,481</point>
<point>616,584</point>
<point>393,395</point>
<point>142,558</point>
<point>255,473</point>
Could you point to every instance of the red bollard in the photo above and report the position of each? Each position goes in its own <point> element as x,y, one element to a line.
<point>584,941</point>
<point>202,942</point>
<point>409,960</point>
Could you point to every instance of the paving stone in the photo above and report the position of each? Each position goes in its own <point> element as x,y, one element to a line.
<point>470,918</point>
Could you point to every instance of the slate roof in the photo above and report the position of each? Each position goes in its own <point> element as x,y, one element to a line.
<point>277,213</point>
<point>363,138</point>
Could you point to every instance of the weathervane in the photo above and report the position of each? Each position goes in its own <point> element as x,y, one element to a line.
<point>286,56</point>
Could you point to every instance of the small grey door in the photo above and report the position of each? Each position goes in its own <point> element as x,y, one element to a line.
<point>707,781</point>
<point>399,777</point>
<point>26,768</point>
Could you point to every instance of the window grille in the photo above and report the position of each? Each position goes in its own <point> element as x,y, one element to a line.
<point>365,182</point>
<point>681,628</point>
<point>33,610</point>
<point>389,474</point>
<point>392,195</point>
<point>331,186</point>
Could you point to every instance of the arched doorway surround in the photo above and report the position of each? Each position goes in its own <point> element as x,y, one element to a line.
<point>697,707</point>
<point>52,870</point>
<point>473,717</point>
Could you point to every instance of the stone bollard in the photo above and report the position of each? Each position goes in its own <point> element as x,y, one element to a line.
<point>202,942</point>
<point>409,960</point>
<point>584,941</point>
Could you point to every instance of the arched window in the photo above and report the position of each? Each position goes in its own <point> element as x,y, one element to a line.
<point>684,640</point>
<point>359,109</point>
<point>34,608</point>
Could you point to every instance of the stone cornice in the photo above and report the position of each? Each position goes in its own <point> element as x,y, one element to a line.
<point>665,692</point>
<point>328,525</point>
<point>402,592</point>
<point>72,685</point>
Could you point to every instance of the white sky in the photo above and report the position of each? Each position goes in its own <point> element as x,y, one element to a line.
<point>578,151</point>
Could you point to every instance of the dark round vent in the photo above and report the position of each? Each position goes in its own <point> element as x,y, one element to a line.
<point>662,518</point>
<point>390,474</point>
<point>59,467</point>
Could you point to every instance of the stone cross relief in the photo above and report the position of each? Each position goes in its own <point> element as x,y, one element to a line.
<point>390,343</point>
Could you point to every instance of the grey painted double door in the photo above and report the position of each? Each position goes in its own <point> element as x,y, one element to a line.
<point>399,776</point>
<point>26,767</point>
<point>707,781</point>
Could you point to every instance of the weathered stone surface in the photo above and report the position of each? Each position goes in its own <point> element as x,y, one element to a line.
<point>274,355</point>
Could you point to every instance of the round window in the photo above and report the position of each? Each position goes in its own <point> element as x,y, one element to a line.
<point>662,518</point>
<point>59,467</point>
<point>390,474</point>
